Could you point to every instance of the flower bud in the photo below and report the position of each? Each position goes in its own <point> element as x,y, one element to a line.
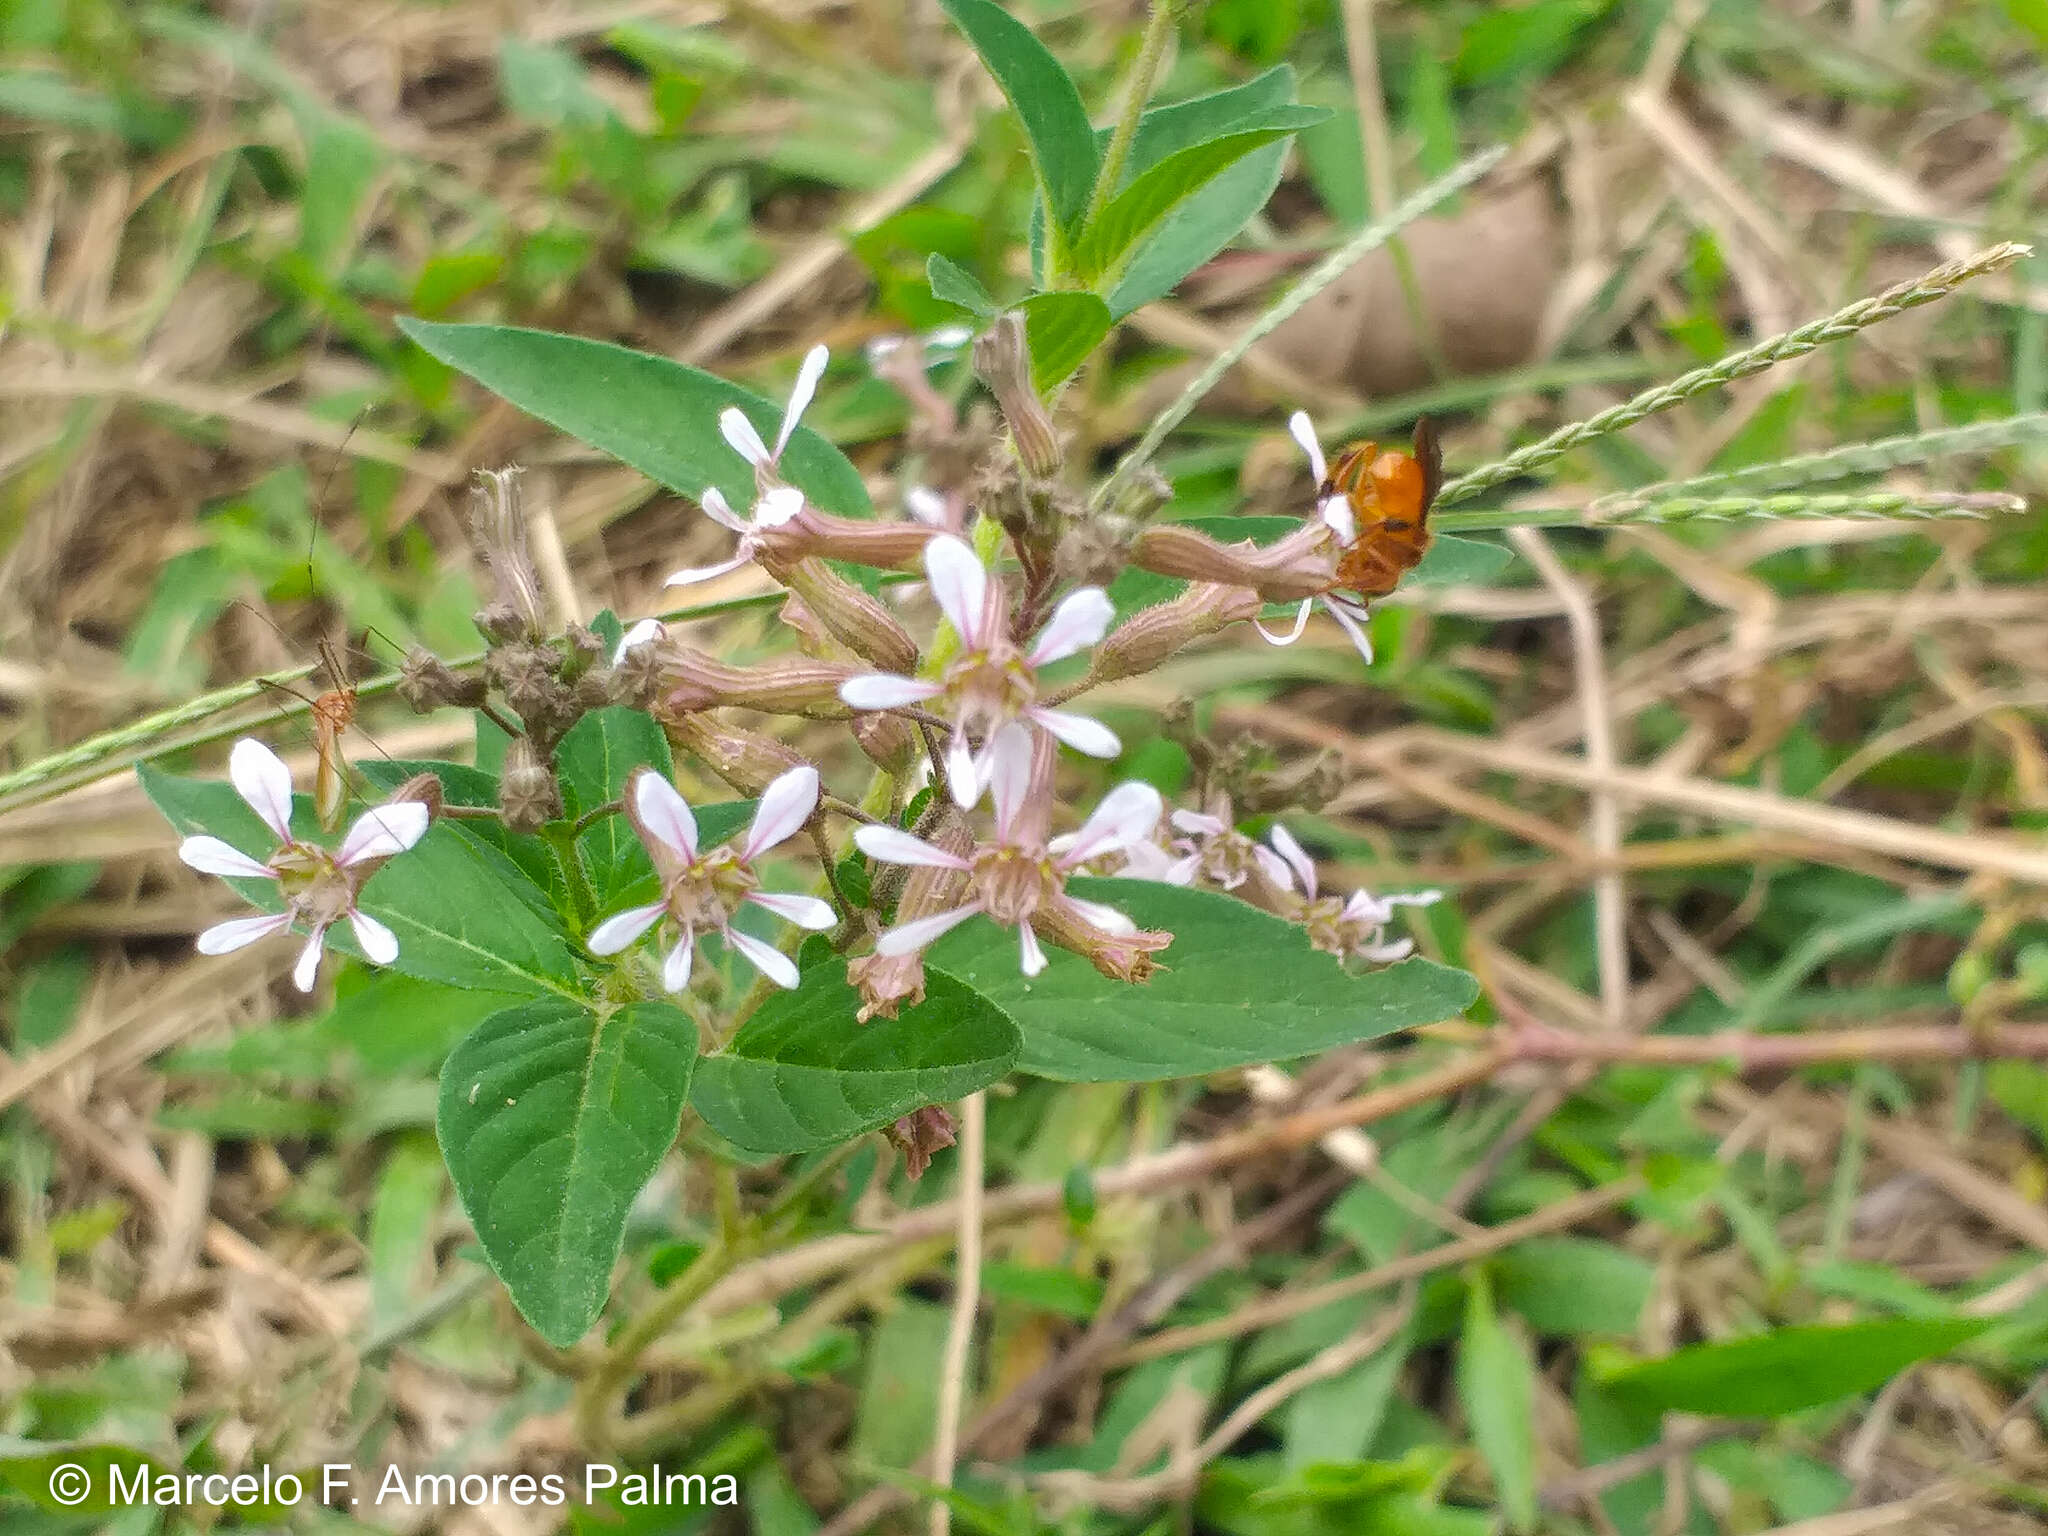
<point>1119,956</point>
<point>423,787</point>
<point>888,740</point>
<point>853,617</point>
<point>426,682</point>
<point>919,1134</point>
<point>528,796</point>
<point>1002,360</point>
<point>585,651</point>
<point>498,523</point>
<point>747,760</point>
<point>1304,564</point>
<point>1150,636</point>
<point>693,680</point>
<point>888,546</point>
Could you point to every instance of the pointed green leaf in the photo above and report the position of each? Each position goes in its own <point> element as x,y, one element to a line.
<point>659,416</point>
<point>592,765</point>
<point>552,1119</point>
<point>1787,1369</point>
<point>1237,986</point>
<point>801,1074</point>
<point>1063,328</point>
<point>1044,98</point>
<point>1497,1385</point>
<point>954,284</point>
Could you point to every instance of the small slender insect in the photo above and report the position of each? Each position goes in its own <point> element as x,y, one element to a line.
<point>333,712</point>
<point>1389,493</point>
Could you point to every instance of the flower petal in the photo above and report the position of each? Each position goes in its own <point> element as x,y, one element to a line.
<point>801,395</point>
<point>211,856</point>
<point>690,575</point>
<point>1297,859</point>
<point>379,944</point>
<point>720,511</point>
<point>964,775</point>
<point>224,938</point>
<point>640,634</point>
<point>1081,620</point>
<point>908,938</point>
<point>1292,635</point>
<point>893,846</point>
<point>778,506</point>
<point>1126,815</point>
<point>261,778</point>
<point>959,583</point>
<point>1338,517</point>
<point>1305,434</point>
<point>308,969</point>
<point>1031,956</point>
<point>1352,617</point>
<point>1413,898</point>
<point>785,806</point>
<point>382,831</point>
<point>1108,919</point>
<point>663,812</point>
<point>1364,907</point>
<point>1200,823</point>
<point>622,928</point>
<point>768,960</point>
<point>1382,954</point>
<point>926,505</point>
<point>946,337</point>
<point>1273,867</point>
<point>1079,732</point>
<point>805,911</point>
<point>745,441</point>
<point>885,690</point>
<point>1009,776</point>
<point>675,966</point>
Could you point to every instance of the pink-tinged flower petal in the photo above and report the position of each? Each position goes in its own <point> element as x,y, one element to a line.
<point>785,806</point>
<point>1342,613</point>
<point>881,348</point>
<point>1384,954</point>
<point>768,960</point>
<point>643,633</point>
<point>1081,620</point>
<point>664,813</point>
<point>778,506</point>
<point>1413,898</point>
<point>1305,434</point>
<point>211,856</point>
<point>224,938</point>
<point>805,911</point>
<point>1273,867</point>
<point>720,511</point>
<point>1297,859</point>
<point>1126,815</point>
<point>622,928</point>
<point>885,690</point>
<point>1009,776</point>
<point>1182,871</point>
<point>382,831</point>
<point>1108,919</point>
<point>308,969</point>
<point>908,938</point>
<point>926,505</point>
<point>1364,907</point>
<point>675,966</point>
<point>947,337</point>
<point>959,584</point>
<point>1030,955</point>
<point>800,397</point>
<point>1338,517</point>
<point>261,778</point>
<point>893,846</point>
<point>1199,823</point>
<point>966,774</point>
<point>1079,732</point>
<point>379,944</point>
<point>691,575</point>
<point>745,441</point>
<point>1292,635</point>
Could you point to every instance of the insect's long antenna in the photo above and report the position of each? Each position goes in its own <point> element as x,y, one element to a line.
<point>316,509</point>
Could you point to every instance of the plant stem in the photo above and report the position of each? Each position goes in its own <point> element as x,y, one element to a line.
<point>966,1302</point>
<point>597,1392</point>
<point>1151,51</point>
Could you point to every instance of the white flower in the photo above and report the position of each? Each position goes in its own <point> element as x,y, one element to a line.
<point>1352,929</point>
<point>772,509</point>
<point>746,442</point>
<point>990,682</point>
<point>701,889</point>
<point>1335,513</point>
<point>640,634</point>
<point>318,887</point>
<point>1015,876</point>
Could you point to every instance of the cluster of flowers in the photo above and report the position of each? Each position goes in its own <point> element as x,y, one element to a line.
<point>979,687</point>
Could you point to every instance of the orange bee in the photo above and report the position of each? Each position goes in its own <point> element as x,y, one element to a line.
<point>1389,494</point>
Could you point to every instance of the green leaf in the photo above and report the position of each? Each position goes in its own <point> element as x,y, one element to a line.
<point>454,903</point>
<point>659,416</point>
<point>1134,212</point>
<point>1045,100</point>
<point>1497,1385</point>
<point>954,284</point>
<point>1063,328</point>
<point>1567,1286</point>
<point>801,1074</point>
<point>592,765</point>
<point>1787,1369</point>
<point>552,1119</point>
<point>29,1466</point>
<point>1237,986</point>
<point>1454,562</point>
<point>476,789</point>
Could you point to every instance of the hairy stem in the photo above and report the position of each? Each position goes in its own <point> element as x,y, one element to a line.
<point>1151,52</point>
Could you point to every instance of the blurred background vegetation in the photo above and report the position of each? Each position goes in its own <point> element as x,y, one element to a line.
<point>227,1234</point>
